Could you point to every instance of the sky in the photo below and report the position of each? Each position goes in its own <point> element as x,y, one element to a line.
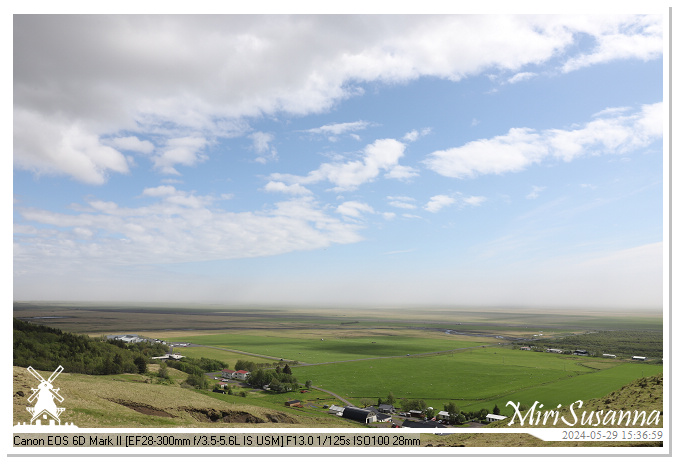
<point>379,160</point>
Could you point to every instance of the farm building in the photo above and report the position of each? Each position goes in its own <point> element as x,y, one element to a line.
<point>361,415</point>
<point>294,403</point>
<point>411,424</point>
<point>169,356</point>
<point>443,415</point>
<point>337,410</point>
<point>494,417</point>
<point>380,417</point>
<point>241,375</point>
<point>386,408</point>
<point>639,358</point>
<point>525,348</point>
<point>415,413</point>
<point>608,355</point>
<point>553,350</point>
<point>581,352</point>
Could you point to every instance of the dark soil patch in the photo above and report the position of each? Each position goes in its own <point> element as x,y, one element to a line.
<point>280,419</point>
<point>214,415</point>
<point>144,408</point>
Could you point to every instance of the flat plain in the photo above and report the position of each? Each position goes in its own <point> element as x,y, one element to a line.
<point>466,355</point>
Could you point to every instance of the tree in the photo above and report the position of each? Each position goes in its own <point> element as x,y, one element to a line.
<point>413,405</point>
<point>307,384</point>
<point>366,402</point>
<point>163,372</point>
<point>391,399</point>
<point>140,362</point>
<point>287,370</point>
<point>453,410</point>
<point>496,410</point>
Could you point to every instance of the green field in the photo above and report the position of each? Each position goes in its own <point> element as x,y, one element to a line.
<point>329,348</point>
<point>476,379</point>
<point>582,387</point>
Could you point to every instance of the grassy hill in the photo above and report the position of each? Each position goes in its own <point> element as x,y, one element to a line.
<point>645,394</point>
<point>134,400</point>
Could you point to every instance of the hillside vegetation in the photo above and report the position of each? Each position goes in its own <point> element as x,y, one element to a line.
<point>46,348</point>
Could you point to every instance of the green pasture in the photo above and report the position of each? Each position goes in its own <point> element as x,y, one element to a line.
<point>470,375</point>
<point>476,378</point>
<point>569,390</point>
<point>330,348</point>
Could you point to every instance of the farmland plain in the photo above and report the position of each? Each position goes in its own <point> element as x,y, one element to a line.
<point>435,354</point>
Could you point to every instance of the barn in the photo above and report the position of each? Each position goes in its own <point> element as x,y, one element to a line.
<point>360,415</point>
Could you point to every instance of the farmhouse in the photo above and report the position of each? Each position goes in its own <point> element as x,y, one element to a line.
<point>361,415</point>
<point>525,348</point>
<point>494,417</point>
<point>241,375</point>
<point>227,373</point>
<point>415,413</point>
<point>386,408</point>
<point>554,350</point>
<point>639,358</point>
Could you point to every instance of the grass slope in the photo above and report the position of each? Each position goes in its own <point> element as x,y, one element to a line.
<point>127,400</point>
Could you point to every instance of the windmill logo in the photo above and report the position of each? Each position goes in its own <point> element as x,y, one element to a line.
<point>45,408</point>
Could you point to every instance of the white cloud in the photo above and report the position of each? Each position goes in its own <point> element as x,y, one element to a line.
<point>49,145</point>
<point>474,200</point>
<point>522,76</point>
<point>160,191</point>
<point>402,202</point>
<point>280,187</point>
<point>381,155</point>
<point>131,143</point>
<point>339,128</point>
<point>438,202</point>
<point>414,135</point>
<point>354,209</point>
<point>633,37</point>
<point>535,192</point>
<point>401,172</point>
<point>522,147</point>
<point>261,144</point>
<point>182,150</point>
<point>78,81</point>
<point>178,227</point>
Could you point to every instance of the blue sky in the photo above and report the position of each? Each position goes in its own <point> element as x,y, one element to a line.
<point>339,160</point>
